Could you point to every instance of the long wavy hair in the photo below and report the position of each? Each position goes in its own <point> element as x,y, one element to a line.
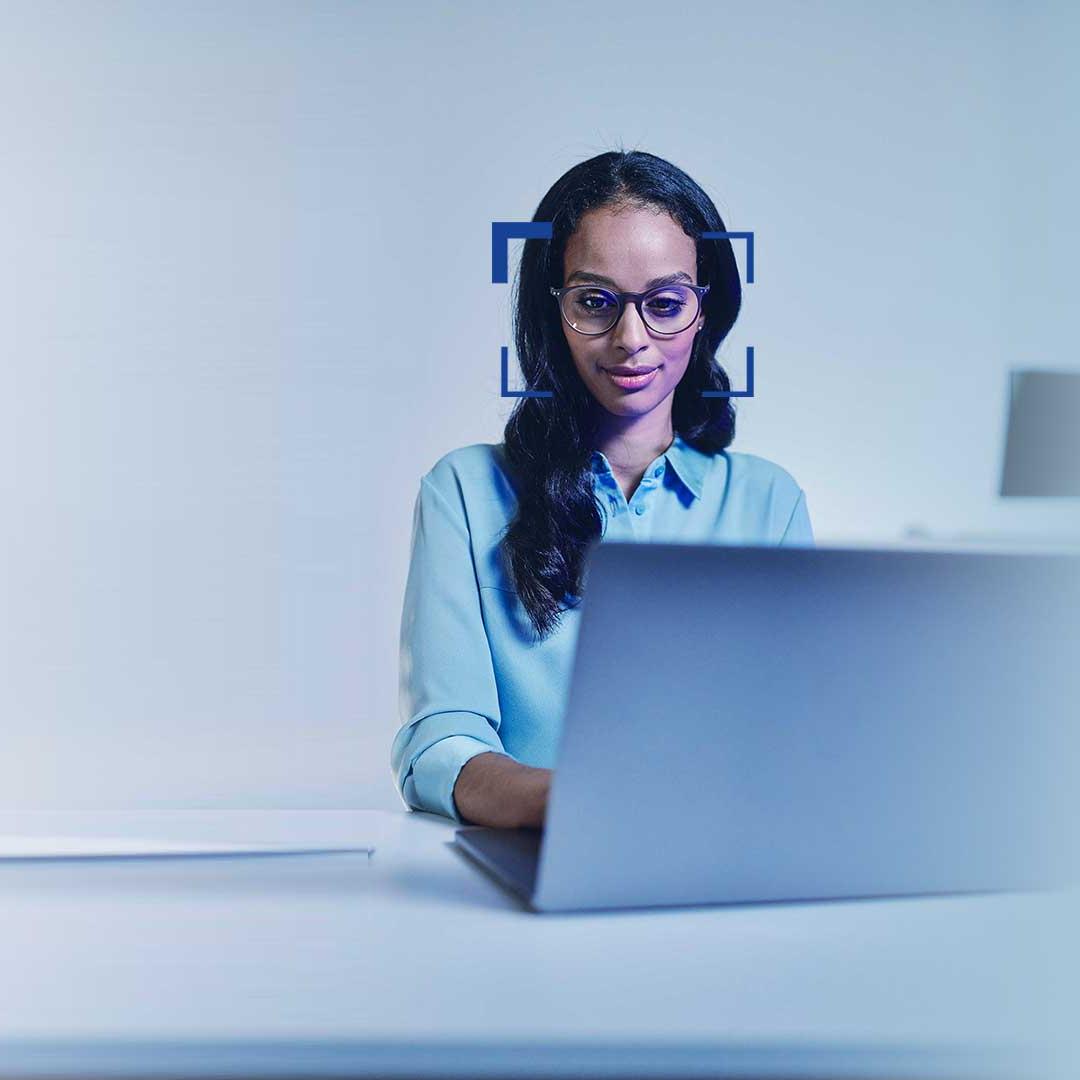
<point>549,440</point>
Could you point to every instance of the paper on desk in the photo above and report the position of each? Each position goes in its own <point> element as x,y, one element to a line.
<point>105,847</point>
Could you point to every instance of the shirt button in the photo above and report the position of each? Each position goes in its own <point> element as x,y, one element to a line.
<point>658,470</point>
<point>639,509</point>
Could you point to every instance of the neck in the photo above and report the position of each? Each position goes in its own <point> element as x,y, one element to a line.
<point>631,442</point>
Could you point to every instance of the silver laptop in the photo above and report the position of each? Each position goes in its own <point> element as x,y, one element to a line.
<point>1042,442</point>
<point>778,724</point>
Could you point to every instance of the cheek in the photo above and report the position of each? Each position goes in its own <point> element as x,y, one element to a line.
<point>585,355</point>
<point>677,359</point>
<point>573,348</point>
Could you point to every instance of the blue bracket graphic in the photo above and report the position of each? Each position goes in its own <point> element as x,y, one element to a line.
<point>501,233</point>
<point>749,391</point>
<point>748,237</point>
<point>506,391</point>
<point>504,231</point>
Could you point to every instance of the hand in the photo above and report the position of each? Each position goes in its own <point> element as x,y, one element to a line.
<point>538,814</point>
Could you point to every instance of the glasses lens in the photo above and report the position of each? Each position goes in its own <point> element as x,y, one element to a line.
<point>592,310</point>
<point>671,309</point>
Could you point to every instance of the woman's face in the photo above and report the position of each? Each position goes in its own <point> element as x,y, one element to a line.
<point>627,250</point>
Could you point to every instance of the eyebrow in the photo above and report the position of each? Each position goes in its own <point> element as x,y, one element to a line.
<point>667,279</point>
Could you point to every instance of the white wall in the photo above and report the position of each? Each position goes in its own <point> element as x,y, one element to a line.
<point>211,449</point>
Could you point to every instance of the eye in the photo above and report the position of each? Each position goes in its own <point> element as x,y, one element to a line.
<point>594,301</point>
<point>665,306</point>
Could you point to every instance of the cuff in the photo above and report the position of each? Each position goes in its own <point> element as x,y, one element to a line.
<point>430,786</point>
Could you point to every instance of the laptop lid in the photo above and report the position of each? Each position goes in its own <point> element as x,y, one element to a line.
<point>753,723</point>
<point>1042,443</point>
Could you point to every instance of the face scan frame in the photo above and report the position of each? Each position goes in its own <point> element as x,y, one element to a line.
<point>502,232</point>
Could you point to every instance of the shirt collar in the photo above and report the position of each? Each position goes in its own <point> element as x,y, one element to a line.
<point>688,463</point>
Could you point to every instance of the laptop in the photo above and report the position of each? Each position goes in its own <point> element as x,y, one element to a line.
<point>759,724</point>
<point>1042,441</point>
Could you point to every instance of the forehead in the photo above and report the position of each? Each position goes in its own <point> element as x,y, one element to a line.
<point>629,245</point>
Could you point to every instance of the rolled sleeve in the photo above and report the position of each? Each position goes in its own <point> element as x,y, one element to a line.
<point>798,532</point>
<point>448,697</point>
<point>435,771</point>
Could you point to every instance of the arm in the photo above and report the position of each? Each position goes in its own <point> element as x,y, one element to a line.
<point>493,789</point>
<point>448,696</point>
<point>798,532</point>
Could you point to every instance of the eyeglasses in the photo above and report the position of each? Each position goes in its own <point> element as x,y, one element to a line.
<point>591,310</point>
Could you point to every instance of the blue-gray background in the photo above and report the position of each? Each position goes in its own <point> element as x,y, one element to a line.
<point>212,437</point>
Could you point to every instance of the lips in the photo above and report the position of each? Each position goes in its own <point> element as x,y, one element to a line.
<point>641,377</point>
<point>623,369</point>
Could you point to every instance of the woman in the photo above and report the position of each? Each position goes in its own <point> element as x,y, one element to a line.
<point>620,316</point>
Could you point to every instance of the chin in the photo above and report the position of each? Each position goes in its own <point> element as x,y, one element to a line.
<point>637,406</point>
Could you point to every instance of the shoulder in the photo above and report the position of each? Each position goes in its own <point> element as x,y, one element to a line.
<point>760,474</point>
<point>472,465</point>
<point>470,475</point>
<point>762,498</point>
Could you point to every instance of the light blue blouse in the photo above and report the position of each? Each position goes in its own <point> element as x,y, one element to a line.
<point>473,677</point>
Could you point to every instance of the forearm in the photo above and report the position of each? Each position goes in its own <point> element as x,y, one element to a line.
<point>494,789</point>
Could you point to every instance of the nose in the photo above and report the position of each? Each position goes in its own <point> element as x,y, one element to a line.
<point>630,333</point>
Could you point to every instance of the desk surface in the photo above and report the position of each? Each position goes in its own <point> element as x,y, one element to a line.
<point>414,962</point>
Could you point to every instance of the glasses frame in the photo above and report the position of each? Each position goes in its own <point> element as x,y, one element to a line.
<point>637,298</point>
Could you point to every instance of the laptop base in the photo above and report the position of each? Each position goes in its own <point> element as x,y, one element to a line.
<point>511,856</point>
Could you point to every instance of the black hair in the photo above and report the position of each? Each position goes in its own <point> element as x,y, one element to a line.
<point>549,440</point>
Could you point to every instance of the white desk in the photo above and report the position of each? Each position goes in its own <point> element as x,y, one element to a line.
<point>414,963</point>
